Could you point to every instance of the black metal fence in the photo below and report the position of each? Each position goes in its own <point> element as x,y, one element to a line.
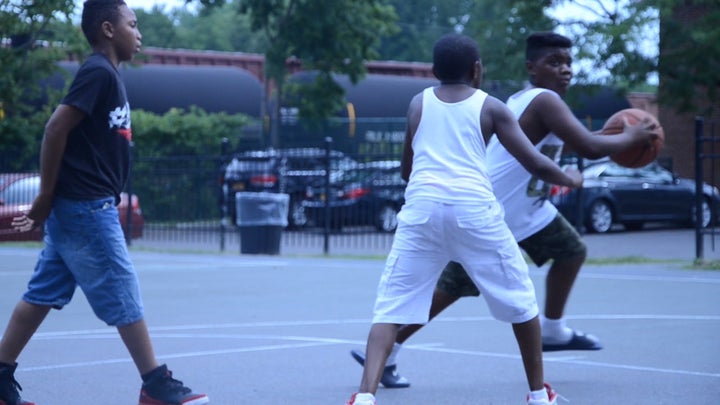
<point>189,202</point>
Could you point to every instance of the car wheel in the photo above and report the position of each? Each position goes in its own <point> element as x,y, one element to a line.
<point>296,215</point>
<point>633,225</point>
<point>600,217</point>
<point>706,214</point>
<point>387,219</point>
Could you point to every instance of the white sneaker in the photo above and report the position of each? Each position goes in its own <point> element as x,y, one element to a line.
<point>551,399</point>
<point>362,398</point>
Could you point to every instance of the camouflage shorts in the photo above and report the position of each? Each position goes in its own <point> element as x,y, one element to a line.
<point>456,282</point>
<point>558,240</point>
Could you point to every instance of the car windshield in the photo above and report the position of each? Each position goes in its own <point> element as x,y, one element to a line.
<point>22,191</point>
<point>651,172</point>
<point>250,165</point>
<point>655,172</point>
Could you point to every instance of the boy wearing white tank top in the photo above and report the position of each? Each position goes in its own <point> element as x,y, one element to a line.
<point>451,214</point>
<point>539,228</point>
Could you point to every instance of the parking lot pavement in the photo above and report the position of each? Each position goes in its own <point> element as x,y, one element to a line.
<point>276,330</point>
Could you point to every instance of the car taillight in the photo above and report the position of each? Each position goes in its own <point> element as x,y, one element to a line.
<point>263,180</point>
<point>354,193</point>
<point>556,190</point>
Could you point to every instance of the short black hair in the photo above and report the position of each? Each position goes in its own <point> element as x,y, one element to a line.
<point>538,42</point>
<point>454,57</point>
<point>95,12</point>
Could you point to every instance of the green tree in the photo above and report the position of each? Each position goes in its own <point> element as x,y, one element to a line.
<point>327,36</point>
<point>219,28</point>
<point>613,37</point>
<point>157,27</point>
<point>420,23</point>
<point>500,28</point>
<point>690,55</point>
<point>35,35</point>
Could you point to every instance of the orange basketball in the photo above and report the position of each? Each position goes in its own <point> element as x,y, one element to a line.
<point>638,155</point>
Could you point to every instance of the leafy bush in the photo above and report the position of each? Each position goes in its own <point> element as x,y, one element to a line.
<point>181,133</point>
<point>177,162</point>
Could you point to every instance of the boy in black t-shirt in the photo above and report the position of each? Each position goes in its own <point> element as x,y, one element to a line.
<point>84,164</point>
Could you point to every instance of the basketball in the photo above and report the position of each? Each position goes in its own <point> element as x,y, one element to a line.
<point>641,154</point>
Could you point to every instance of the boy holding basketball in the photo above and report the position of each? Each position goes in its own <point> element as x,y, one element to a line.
<point>451,213</point>
<point>84,164</point>
<point>543,233</point>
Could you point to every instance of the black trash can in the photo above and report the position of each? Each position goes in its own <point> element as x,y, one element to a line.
<point>261,218</point>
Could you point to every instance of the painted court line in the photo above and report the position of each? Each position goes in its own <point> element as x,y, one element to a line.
<point>307,341</point>
<point>174,356</point>
<point>337,322</point>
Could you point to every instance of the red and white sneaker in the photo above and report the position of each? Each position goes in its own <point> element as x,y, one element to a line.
<point>163,389</point>
<point>551,399</point>
<point>363,398</point>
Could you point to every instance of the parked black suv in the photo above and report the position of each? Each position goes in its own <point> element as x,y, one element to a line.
<point>288,171</point>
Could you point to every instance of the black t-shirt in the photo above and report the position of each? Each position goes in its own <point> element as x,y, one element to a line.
<point>97,156</point>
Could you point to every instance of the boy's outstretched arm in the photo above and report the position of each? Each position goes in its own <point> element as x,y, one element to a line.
<point>549,113</point>
<point>497,118</point>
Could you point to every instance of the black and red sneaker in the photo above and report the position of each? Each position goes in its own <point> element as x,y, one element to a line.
<point>9,387</point>
<point>161,388</point>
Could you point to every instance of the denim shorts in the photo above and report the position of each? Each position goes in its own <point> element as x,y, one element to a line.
<point>85,247</point>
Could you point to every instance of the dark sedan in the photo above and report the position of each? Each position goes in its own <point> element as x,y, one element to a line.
<point>613,194</point>
<point>17,192</point>
<point>371,194</point>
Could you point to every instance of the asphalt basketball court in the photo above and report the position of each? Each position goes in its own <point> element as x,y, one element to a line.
<point>273,330</point>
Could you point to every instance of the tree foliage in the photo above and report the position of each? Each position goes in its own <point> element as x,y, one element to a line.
<point>500,28</point>
<point>690,55</point>
<point>34,36</point>
<point>184,132</point>
<point>328,36</point>
<point>217,28</point>
<point>420,23</point>
<point>612,36</point>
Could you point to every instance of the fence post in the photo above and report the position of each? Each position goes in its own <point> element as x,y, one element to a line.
<point>580,206</point>
<point>326,231</point>
<point>224,149</point>
<point>699,248</point>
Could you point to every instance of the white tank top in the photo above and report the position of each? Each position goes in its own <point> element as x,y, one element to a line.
<point>449,152</point>
<point>523,196</point>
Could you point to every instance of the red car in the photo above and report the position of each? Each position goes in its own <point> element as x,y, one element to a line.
<point>17,192</point>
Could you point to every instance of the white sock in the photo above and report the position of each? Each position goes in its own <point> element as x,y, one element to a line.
<point>539,394</point>
<point>392,358</point>
<point>364,396</point>
<point>554,331</point>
